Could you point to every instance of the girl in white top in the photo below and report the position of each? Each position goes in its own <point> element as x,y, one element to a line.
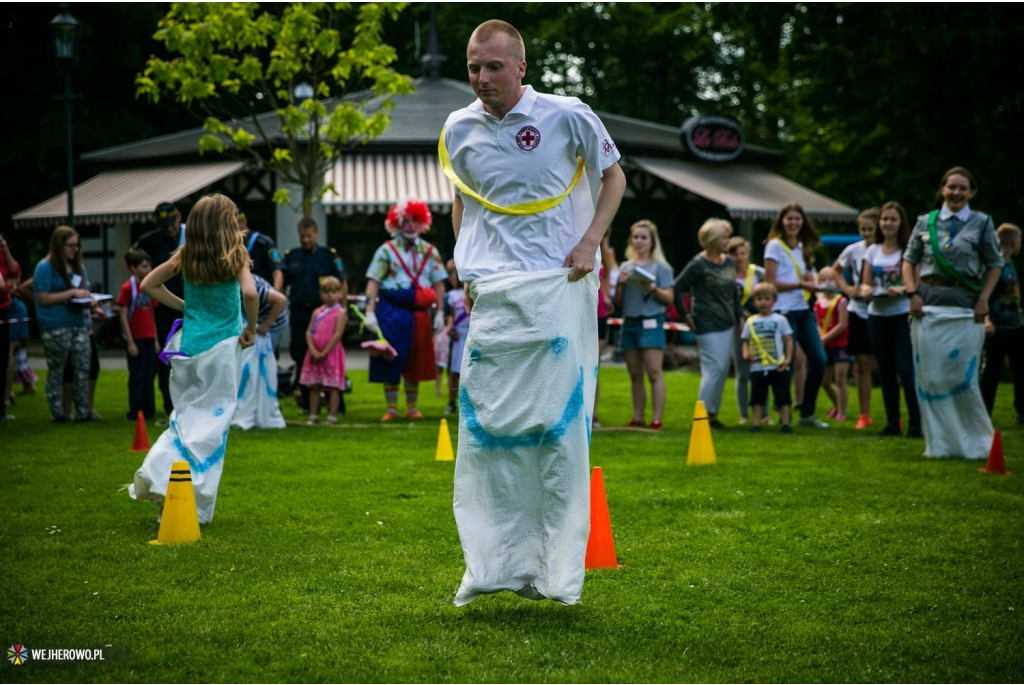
<point>790,240</point>
<point>888,325</point>
<point>859,344</point>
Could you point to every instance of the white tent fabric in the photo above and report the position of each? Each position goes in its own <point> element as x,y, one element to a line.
<point>947,361</point>
<point>204,389</point>
<point>257,389</point>
<point>526,399</point>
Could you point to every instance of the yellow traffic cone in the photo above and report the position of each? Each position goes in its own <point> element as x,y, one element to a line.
<point>702,450</point>
<point>444,444</point>
<point>179,522</point>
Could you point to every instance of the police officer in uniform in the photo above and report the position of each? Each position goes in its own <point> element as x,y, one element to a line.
<point>160,243</point>
<point>303,269</point>
<point>266,260</point>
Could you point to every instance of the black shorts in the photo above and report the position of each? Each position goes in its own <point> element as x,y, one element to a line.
<point>837,355</point>
<point>760,381</point>
<point>602,328</point>
<point>858,342</point>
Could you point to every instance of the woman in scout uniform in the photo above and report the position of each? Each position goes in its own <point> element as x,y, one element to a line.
<point>882,285</point>
<point>790,242</point>
<point>408,275</point>
<point>747,277</point>
<point>950,268</point>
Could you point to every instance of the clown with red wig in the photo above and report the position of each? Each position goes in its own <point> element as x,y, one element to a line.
<point>405,282</point>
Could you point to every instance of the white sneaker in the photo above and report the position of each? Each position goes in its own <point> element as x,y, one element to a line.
<point>813,422</point>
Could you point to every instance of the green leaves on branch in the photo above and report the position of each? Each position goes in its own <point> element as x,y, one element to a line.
<point>232,62</point>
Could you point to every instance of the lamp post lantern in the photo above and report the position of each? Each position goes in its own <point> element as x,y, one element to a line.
<point>65,30</point>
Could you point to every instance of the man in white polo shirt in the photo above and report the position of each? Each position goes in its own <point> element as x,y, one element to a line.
<point>537,183</point>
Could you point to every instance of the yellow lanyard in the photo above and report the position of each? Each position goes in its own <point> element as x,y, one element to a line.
<point>799,273</point>
<point>828,314</point>
<point>532,207</point>
<point>766,359</point>
<point>749,283</point>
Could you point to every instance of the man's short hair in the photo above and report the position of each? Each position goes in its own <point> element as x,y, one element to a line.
<point>308,223</point>
<point>497,27</point>
<point>766,289</point>
<point>137,257</point>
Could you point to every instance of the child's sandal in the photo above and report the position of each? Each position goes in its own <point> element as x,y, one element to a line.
<point>312,421</point>
<point>332,419</point>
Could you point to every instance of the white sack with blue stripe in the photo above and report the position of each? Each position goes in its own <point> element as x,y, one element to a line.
<point>204,389</point>
<point>947,362</point>
<point>257,389</point>
<point>526,398</point>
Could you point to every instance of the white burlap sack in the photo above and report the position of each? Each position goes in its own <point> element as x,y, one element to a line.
<point>525,401</point>
<point>947,362</point>
<point>257,390</point>
<point>204,389</point>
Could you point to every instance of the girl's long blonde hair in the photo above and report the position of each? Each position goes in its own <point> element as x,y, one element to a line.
<point>214,250</point>
<point>656,254</point>
<point>61,235</point>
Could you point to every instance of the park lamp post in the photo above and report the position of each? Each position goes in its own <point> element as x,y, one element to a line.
<point>66,30</point>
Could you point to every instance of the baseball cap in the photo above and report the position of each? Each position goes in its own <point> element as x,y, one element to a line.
<point>165,214</point>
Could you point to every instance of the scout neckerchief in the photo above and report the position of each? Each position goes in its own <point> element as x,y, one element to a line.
<point>532,207</point>
<point>252,241</point>
<point>766,359</point>
<point>748,283</point>
<point>799,272</point>
<point>320,317</point>
<point>419,270</point>
<point>828,314</point>
<point>940,259</point>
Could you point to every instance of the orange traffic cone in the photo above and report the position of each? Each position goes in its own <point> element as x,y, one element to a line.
<point>141,442</point>
<point>996,464</point>
<point>600,545</point>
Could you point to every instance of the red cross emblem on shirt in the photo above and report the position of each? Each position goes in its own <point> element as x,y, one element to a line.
<point>528,138</point>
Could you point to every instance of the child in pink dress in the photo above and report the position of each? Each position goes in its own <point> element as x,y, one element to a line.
<point>324,366</point>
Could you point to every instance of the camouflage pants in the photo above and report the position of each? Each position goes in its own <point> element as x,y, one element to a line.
<point>58,344</point>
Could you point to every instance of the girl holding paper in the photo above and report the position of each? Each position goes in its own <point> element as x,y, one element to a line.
<point>61,288</point>
<point>645,290</point>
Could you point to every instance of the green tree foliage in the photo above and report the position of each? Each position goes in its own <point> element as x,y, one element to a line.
<point>869,101</point>
<point>233,62</point>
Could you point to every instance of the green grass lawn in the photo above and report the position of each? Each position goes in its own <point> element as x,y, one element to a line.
<point>824,556</point>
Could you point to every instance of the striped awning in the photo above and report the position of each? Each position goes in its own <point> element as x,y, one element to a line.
<point>371,184</point>
<point>746,191</point>
<point>126,195</point>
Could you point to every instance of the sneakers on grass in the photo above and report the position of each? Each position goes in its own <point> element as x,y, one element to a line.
<point>812,422</point>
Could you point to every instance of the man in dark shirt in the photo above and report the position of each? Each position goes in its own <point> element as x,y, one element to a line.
<point>266,260</point>
<point>303,268</point>
<point>160,244</point>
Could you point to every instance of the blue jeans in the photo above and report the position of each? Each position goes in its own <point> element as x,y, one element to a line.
<point>806,335</point>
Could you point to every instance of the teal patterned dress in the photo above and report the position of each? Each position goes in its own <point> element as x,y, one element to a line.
<point>212,313</point>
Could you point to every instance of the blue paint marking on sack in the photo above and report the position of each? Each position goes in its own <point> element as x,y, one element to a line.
<point>954,354</point>
<point>199,465</point>
<point>559,345</point>
<point>219,411</point>
<point>244,383</point>
<point>264,376</point>
<point>474,355</point>
<point>955,391</point>
<point>534,439</point>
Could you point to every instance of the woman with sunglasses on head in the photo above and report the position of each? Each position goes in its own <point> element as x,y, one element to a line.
<point>61,288</point>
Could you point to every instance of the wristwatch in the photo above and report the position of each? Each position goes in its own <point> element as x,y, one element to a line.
<point>910,293</point>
